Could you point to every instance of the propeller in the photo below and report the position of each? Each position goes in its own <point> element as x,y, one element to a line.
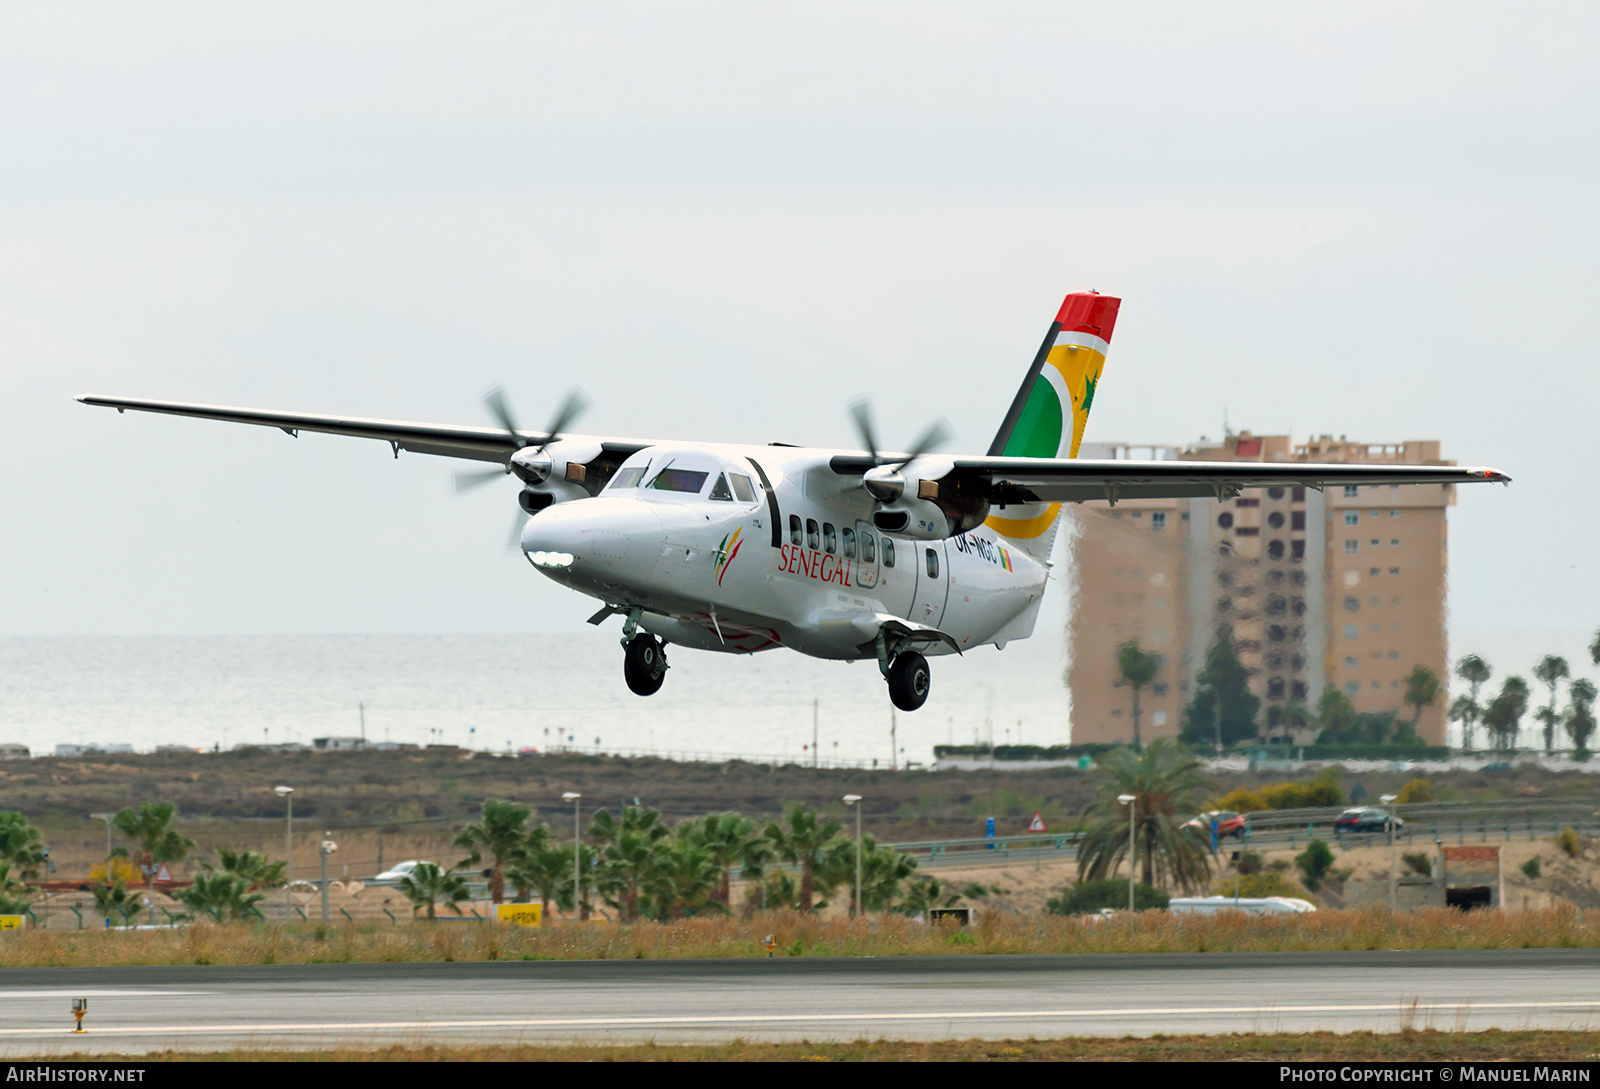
<point>529,469</point>
<point>884,481</point>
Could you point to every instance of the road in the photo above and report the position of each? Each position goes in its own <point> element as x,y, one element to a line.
<point>996,997</point>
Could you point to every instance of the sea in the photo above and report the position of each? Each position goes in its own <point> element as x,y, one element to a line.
<point>512,692</point>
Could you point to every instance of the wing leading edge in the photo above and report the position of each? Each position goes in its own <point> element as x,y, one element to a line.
<point>443,440</point>
<point>1073,480</point>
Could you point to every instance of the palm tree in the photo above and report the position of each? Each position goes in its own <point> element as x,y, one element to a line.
<point>501,834</point>
<point>21,846</point>
<point>427,885</point>
<point>684,880</point>
<point>1466,709</point>
<point>1422,688</point>
<point>542,868</point>
<point>220,895</point>
<point>1503,715</point>
<point>256,870</point>
<point>116,897</point>
<point>731,840</point>
<point>1594,648</point>
<point>1136,669</point>
<point>631,851</point>
<point>801,839</point>
<point>1580,718</point>
<point>1167,787</point>
<point>882,871</point>
<point>150,829</point>
<point>1551,670</point>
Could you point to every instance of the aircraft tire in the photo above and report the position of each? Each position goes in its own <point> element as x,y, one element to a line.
<point>909,681</point>
<point>644,665</point>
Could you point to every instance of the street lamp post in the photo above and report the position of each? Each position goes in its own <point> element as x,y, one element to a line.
<point>855,800</point>
<point>577,893</point>
<point>107,818</point>
<point>287,794</point>
<point>1128,800</point>
<point>1394,893</point>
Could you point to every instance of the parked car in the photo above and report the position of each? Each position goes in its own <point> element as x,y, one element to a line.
<point>398,870</point>
<point>1366,820</point>
<point>1228,823</point>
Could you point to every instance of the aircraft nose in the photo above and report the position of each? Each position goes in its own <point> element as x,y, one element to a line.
<point>589,535</point>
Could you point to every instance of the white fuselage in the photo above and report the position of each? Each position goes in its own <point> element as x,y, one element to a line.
<point>796,562</point>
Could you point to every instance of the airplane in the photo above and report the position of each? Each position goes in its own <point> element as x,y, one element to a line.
<point>837,554</point>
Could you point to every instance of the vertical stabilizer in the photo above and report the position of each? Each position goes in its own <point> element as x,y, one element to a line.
<point>1047,417</point>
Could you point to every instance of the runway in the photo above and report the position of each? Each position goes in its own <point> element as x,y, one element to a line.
<point>972,996</point>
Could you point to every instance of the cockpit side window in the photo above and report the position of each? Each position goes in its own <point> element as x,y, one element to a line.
<point>743,490</point>
<point>720,490</point>
<point>627,478</point>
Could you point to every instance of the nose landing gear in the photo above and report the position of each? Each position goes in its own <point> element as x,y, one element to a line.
<point>644,664</point>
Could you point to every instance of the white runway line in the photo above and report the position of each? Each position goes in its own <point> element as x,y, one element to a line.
<point>1396,1008</point>
<point>57,992</point>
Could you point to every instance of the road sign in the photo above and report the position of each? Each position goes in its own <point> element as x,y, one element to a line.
<point>11,922</point>
<point>1037,824</point>
<point>520,914</point>
<point>163,874</point>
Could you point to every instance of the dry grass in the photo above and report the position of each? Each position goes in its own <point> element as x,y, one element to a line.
<point>1490,1046</point>
<point>795,934</point>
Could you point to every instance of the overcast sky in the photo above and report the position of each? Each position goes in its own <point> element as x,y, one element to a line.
<point>728,220</point>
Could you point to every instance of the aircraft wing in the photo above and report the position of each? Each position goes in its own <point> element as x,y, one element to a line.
<point>1073,480</point>
<point>444,440</point>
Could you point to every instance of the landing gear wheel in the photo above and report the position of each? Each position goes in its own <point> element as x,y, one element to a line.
<point>644,665</point>
<point>909,681</point>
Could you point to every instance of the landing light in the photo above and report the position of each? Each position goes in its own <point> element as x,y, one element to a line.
<point>551,559</point>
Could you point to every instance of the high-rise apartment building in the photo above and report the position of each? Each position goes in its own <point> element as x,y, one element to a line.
<point>1342,587</point>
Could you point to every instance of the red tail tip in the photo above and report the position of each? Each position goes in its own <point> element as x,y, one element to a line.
<point>1089,312</point>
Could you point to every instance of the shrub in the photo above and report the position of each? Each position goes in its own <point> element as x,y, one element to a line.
<point>1314,862</point>
<point>1090,896</point>
<point>1249,862</point>
<point>1323,790</point>
<point>1419,862</point>
<point>1531,867</point>
<point>1417,790</point>
<point>1258,886</point>
<point>1570,842</point>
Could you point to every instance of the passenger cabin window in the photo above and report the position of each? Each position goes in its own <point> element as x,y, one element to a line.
<point>627,478</point>
<point>794,529</point>
<point>933,563</point>
<point>849,537</point>
<point>868,548</point>
<point>830,539</point>
<point>720,490</point>
<point>743,490</point>
<point>679,480</point>
<point>888,552</point>
<point>813,535</point>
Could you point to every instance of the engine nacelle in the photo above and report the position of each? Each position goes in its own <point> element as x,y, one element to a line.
<point>942,504</point>
<point>560,472</point>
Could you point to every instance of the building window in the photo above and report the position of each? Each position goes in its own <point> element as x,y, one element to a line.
<point>1352,546</point>
<point>1159,689</point>
<point>1297,519</point>
<point>1298,495</point>
<point>1140,514</point>
<point>1158,519</point>
<point>1375,542</point>
<point>1377,514</point>
<point>1248,531</point>
<point>1297,549</point>
<point>1350,663</point>
<point>1275,687</point>
<point>1351,631</point>
<point>1351,490</point>
<point>1394,514</point>
<point>1352,604</point>
<point>1394,654</point>
<point>1225,519</point>
<point>1275,550</point>
<point>1352,518</point>
<point>1349,686</point>
<point>1275,519</point>
<point>1300,689</point>
<point>1274,493</point>
<point>1247,502</point>
<point>1394,570</point>
<point>1373,571</point>
<point>1394,540</point>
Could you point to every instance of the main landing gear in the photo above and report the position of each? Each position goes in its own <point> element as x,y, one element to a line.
<point>909,680</point>
<point>644,664</point>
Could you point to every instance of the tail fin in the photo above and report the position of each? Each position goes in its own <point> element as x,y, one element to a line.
<point>1064,376</point>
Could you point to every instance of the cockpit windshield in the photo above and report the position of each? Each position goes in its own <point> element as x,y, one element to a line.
<point>678,480</point>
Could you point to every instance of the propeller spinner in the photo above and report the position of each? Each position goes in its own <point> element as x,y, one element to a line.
<point>886,481</point>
